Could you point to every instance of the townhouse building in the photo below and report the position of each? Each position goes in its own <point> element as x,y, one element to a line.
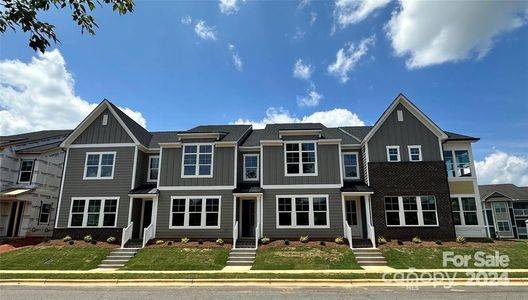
<point>400,178</point>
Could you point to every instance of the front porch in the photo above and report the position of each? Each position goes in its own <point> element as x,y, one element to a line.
<point>357,216</point>
<point>247,218</point>
<point>141,217</point>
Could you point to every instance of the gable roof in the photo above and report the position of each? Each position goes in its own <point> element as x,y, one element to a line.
<point>451,136</point>
<point>413,109</point>
<point>137,130</point>
<point>34,142</point>
<point>508,190</point>
<point>229,133</point>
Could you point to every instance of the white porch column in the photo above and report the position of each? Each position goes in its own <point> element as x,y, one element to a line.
<point>154,217</point>
<point>370,227</point>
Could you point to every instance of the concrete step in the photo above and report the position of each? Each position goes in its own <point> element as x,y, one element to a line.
<point>240,263</point>
<point>120,256</point>
<point>115,261</point>
<point>362,259</point>
<point>112,266</point>
<point>241,259</point>
<point>372,263</point>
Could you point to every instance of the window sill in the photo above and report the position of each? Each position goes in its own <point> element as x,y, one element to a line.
<point>303,227</point>
<point>197,176</point>
<point>194,227</point>
<point>98,178</point>
<point>300,175</point>
<point>413,226</point>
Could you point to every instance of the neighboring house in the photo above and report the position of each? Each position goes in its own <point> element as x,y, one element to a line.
<point>506,210</point>
<point>30,177</point>
<point>283,181</point>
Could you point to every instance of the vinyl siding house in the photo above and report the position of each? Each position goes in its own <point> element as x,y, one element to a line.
<point>286,180</point>
<point>30,177</point>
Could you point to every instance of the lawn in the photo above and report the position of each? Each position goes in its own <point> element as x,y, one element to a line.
<point>175,258</point>
<point>430,257</point>
<point>305,257</point>
<point>54,258</point>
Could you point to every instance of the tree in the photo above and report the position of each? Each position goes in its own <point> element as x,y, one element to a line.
<point>23,14</point>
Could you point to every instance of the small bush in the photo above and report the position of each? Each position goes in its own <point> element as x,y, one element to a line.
<point>460,239</point>
<point>438,242</point>
<point>160,242</point>
<point>169,243</point>
<point>67,238</point>
<point>381,240</point>
<point>200,242</point>
<point>322,243</point>
<point>286,242</point>
<point>489,240</point>
<point>93,242</point>
<point>220,242</point>
<point>184,240</point>
<point>71,242</point>
<point>46,239</point>
<point>304,239</point>
<point>416,240</point>
<point>339,240</point>
<point>88,238</point>
<point>265,240</point>
<point>111,240</point>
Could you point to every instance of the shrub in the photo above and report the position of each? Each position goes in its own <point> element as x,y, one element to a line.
<point>438,242</point>
<point>46,239</point>
<point>322,243</point>
<point>399,242</point>
<point>111,240</point>
<point>339,240</point>
<point>489,240</point>
<point>71,242</point>
<point>265,240</point>
<point>220,242</point>
<point>93,242</point>
<point>304,239</point>
<point>416,240</point>
<point>160,242</point>
<point>169,243</point>
<point>67,238</point>
<point>88,238</point>
<point>381,240</point>
<point>286,242</point>
<point>200,242</point>
<point>460,239</point>
<point>184,240</point>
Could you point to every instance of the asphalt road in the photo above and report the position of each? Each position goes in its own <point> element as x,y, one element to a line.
<point>219,293</point>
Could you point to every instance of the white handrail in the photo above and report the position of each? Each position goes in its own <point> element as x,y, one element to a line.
<point>127,234</point>
<point>235,234</point>
<point>348,234</point>
<point>370,235</point>
<point>148,234</point>
<point>257,235</point>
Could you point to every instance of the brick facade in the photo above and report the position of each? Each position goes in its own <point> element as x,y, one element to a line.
<point>411,179</point>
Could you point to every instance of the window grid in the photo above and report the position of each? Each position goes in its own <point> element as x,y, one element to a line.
<point>301,211</point>
<point>351,165</point>
<point>300,159</point>
<point>411,211</point>
<point>99,165</point>
<point>45,211</point>
<point>251,167</point>
<point>93,212</point>
<point>393,153</point>
<point>195,212</point>
<point>153,168</point>
<point>415,153</point>
<point>26,170</point>
<point>197,160</point>
<point>457,163</point>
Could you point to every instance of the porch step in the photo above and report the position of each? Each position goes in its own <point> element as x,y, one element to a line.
<point>245,243</point>
<point>241,257</point>
<point>369,257</point>
<point>118,258</point>
<point>134,244</point>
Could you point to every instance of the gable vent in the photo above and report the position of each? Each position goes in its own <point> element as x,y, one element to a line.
<point>400,115</point>
<point>105,120</point>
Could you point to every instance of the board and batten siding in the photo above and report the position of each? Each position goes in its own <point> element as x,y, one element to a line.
<point>119,186</point>
<point>223,168</point>
<point>327,167</point>
<point>409,132</point>
<point>96,133</point>
<point>226,216</point>
<point>270,215</point>
<point>142,168</point>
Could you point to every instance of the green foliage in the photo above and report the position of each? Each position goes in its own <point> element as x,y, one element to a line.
<point>160,242</point>
<point>111,240</point>
<point>460,239</point>
<point>304,239</point>
<point>339,240</point>
<point>24,15</point>
<point>381,240</point>
<point>67,238</point>
<point>88,238</point>
<point>264,240</point>
<point>184,240</point>
<point>416,240</point>
<point>220,242</point>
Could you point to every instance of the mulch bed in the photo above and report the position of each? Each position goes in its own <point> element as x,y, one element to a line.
<point>191,244</point>
<point>280,243</point>
<point>450,244</point>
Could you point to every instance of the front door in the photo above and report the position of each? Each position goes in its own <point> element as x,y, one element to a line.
<point>503,226</point>
<point>353,217</point>
<point>15,218</point>
<point>248,218</point>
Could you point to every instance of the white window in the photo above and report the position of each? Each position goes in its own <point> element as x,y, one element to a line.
<point>302,211</point>
<point>457,163</point>
<point>351,165</point>
<point>195,212</point>
<point>300,159</point>
<point>415,153</point>
<point>393,153</point>
<point>411,211</point>
<point>153,168</point>
<point>99,165</point>
<point>251,167</point>
<point>26,171</point>
<point>197,160</point>
<point>44,215</point>
<point>93,212</point>
<point>464,211</point>
<point>503,225</point>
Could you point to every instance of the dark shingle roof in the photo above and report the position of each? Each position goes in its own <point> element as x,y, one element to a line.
<point>232,133</point>
<point>358,131</point>
<point>352,186</point>
<point>163,137</point>
<point>451,136</point>
<point>509,190</point>
<point>248,188</point>
<point>34,142</point>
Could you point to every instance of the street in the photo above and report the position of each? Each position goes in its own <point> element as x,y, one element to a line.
<point>218,293</point>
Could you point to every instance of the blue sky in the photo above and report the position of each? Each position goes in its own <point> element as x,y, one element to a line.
<point>472,79</point>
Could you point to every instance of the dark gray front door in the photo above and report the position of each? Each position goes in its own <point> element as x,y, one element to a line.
<point>248,218</point>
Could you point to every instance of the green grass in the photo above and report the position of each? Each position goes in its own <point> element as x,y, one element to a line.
<point>431,257</point>
<point>53,258</point>
<point>173,258</point>
<point>305,257</point>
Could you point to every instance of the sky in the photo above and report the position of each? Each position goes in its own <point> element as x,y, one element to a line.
<point>172,65</point>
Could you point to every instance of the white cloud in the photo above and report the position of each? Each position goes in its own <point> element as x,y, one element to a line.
<point>187,20</point>
<point>311,98</point>
<point>332,118</point>
<point>229,6</point>
<point>313,18</point>
<point>501,167</point>
<point>346,59</point>
<point>40,95</point>
<point>435,32</point>
<point>304,3</point>
<point>205,32</point>
<point>299,33</point>
<point>237,61</point>
<point>347,12</point>
<point>302,70</point>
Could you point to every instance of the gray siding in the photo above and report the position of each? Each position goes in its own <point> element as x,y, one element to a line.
<point>409,132</point>
<point>361,163</point>
<point>96,133</point>
<point>240,166</point>
<point>335,212</point>
<point>226,216</point>
<point>142,168</point>
<point>327,167</point>
<point>75,186</point>
<point>223,168</point>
